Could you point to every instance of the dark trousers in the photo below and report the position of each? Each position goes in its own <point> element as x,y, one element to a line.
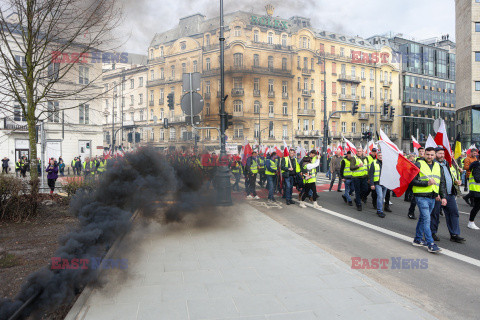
<point>334,177</point>
<point>475,209</point>
<point>4,169</point>
<point>271,185</point>
<point>51,183</point>
<point>288,183</point>
<point>250,184</point>
<point>361,188</point>
<point>262,177</point>
<point>310,186</point>
<point>451,216</point>
<point>237,180</point>
<point>413,204</point>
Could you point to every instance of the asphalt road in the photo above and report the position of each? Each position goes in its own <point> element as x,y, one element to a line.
<point>448,288</point>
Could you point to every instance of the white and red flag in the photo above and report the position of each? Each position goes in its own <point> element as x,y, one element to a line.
<point>247,152</point>
<point>350,146</point>
<point>416,145</point>
<point>397,171</point>
<point>430,142</point>
<point>371,145</point>
<point>341,150</point>
<point>384,137</point>
<point>285,149</point>
<point>469,151</point>
<point>441,139</point>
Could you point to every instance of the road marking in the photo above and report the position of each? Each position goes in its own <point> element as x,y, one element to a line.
<point>464,212</point>
<point>397,235</point>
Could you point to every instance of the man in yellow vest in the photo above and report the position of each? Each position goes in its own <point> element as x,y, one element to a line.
<point>346,176</point>
<point>102,166</point>
<point>309,171</point>
<point>359,168</point>
<point>428,187</point>
<point>251,171</point>
<point>474,186</point>
<point>374,177</point>
<point>451,210</point>
<point>290,168</point>
<point>237,170</point>
<point>271,170</point>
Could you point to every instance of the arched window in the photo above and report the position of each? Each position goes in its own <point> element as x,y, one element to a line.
<point>237,31</point>
<point>207,64</point>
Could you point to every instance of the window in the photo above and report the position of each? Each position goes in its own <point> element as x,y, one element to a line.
<point>313,104</point>
<point>173,134</point>
<point>270,85</point>
<point>299,103</point>
<point>270,62</point>
<point>298,62</point>
<point>53,71</point>
<point>284,64</point>
<point>237,83</point>
<point>372,77</point>
<point>256,84</point>
<point>271,109</point>
<point>285,132</point>
<point>151,114</point>
<point>270,38</point>
<point>207,64</point>
<point>84,114</point>
<point>343,69</point>
<point>271,133</point>
<point>18,114</point>
<point>344,88</point>
<point>140,82</point>
<point>255,36</point>
<point>342,52</point>
<point>256,61</point>
<point>161,51</point>
<point>344,106</point>
<point>284,86</point>
<point>237,31</point>
<point>284,40</point>
<point>53,114</point>
<point>477,85</point>
<point>305,124</point>
<point>371,92</point>
<point>207,40</point>
<point>162,95</point>
<point>353,72</point>
<point>334,68</point>
<point>305,104</point>
<point>173,72</point>
<point>344,127</point>
<point>299,86</point>
<point>238,131</point>
<point>285,109</point>
<point>362,72</point>
<point>477,26</point>
<point>207,86</point>
<point>363,91</point>
<point>132,83</point>
<point>152,96</point>
<point>256,130</point>
<point>141,115</point>
<point>363,108</point>
<point>477,55</point>
<point>140,98</point>
<point>83,75</point>
<point>132,116</point>
<point>256,107</point>
<point>238,59</point>
<point>183,45</point>
<point>305,63</point>
<point>363,127</point>
<point>151,53</point>
<point>372,109</point>
<point>334,88</point>
<point>332,50</point>
<point>195,66</point>
<point>237,106</point>
<point>207,109</point>
<point>184,67</point>
<point>354,90</point>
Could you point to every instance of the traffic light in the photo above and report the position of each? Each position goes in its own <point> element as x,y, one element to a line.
<point>385,108</point>
<point>370,135</point>
<point>170,98</point>
<point>355,108</point>
<point>365,135</point>
<point>165,123</point>
<point>392,111</point>
<point>228,121</point>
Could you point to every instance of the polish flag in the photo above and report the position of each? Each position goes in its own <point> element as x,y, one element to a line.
<point>285,149</point>
<point>441,139</point>
<point>371,145</point>
<point>341,150</point>
<point>247,153</point>
<point>278,151</point>
<point>430,142</point>
<point>350,146</point>
<point>329,149</point>
<point>416,145</point>
<point>384,137</point>
<point>397,171</point>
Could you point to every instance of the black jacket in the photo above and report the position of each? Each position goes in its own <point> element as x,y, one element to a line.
<point>284,167</point>
<point>421,183</point>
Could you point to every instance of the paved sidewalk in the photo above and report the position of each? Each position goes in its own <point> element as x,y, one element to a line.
<point>247,267</point>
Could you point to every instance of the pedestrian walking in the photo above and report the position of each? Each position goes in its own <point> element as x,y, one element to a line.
<point>61,167</point>
<point>290,168</point>
<point>309,172</point>
<point>359,168</point>
<point>5,167</point>
<point>346,176</point>
<point>251,171</point>
<point>451,209</point>
<point>271,169</point>
<point>52,176</point>
<point>428,187</point>
<point>335,165</point>
<point>374,177</point>
<point>236,168</point>
<point>474,186</point>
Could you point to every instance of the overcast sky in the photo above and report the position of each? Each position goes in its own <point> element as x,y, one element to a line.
<point>418,19</point>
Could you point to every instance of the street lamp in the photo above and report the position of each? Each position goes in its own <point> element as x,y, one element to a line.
<point>323,167</point>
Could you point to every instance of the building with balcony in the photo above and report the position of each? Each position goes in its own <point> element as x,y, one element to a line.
<point>272,73</point>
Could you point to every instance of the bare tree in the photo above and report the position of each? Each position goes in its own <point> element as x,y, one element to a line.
<point>45,45</point>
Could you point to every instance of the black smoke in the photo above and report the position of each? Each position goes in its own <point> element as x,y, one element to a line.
<point>145,181</point>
